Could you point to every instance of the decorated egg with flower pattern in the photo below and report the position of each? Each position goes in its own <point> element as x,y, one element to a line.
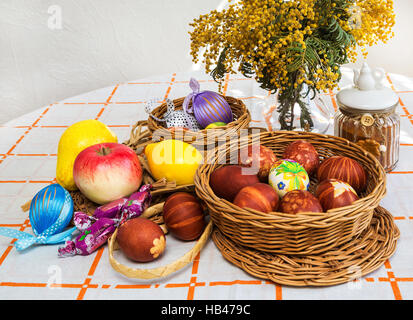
<point>287,175</point>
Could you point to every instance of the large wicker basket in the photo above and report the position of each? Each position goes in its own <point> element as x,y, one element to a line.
<point>303,233</point>
<point>348,262</point>
<point>242,119</point>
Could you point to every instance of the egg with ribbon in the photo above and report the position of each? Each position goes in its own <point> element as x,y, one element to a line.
<point>287,175</point>
<point>51,211</point>
<point>207,106</point>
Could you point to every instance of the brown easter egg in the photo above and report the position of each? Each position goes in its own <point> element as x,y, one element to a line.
<point>296,201</point>
<point>333,193</point>
<point>259,157</point>
<point>304,153</point>
<point>260,196</point>
<point>141,239</point>
<point>184,216</point>
<point>227,181</point>
<point>344,169</point>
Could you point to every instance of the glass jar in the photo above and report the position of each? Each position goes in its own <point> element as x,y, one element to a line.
<point>367,116</point>
<point>377,132</point>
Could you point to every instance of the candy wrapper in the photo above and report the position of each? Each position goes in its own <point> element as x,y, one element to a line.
<point>111,209</point>
<point>96,229</point>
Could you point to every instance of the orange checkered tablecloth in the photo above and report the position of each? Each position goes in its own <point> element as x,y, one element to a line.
<point>28,148</point>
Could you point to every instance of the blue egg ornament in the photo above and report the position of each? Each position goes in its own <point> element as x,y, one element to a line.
<point>51,206</point>
<point>51,211</point>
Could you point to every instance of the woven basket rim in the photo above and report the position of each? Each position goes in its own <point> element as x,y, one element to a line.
<point>163,271</point>
<point>285,220</point>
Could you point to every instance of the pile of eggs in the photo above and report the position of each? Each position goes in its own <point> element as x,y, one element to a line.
<point>143,240</point>
<point>283,185</point>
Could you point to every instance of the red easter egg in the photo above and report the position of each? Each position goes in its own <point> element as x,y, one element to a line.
<point>184,216</point>
<point>257,156</point>
<point>141,239</point>
<point>296,201</point>
<point>333,193</point>
<point>260,196</point>
<point>227,181</point>
<point>304,153</point>
<point>344,169</point>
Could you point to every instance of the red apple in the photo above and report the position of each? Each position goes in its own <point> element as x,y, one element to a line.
<point>107,171</point>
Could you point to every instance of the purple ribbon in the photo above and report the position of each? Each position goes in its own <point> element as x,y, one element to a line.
<point>194,85</point>
<point>95,230</point>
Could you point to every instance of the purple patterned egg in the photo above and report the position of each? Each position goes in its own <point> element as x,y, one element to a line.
<point>207,106</point>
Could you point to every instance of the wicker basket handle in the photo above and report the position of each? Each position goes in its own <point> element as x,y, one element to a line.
<point>163,271</point>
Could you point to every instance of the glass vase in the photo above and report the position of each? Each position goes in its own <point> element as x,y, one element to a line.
<point>310,114</point>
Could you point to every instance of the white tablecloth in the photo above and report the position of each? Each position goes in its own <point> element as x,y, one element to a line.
<point>28,148</point>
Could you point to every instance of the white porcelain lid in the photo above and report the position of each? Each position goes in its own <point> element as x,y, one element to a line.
<point>368,92</point>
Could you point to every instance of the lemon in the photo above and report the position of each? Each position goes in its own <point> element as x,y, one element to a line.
<point>76,138</point>
<point>174,160</point>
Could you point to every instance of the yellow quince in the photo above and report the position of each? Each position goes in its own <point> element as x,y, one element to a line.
<point>76,138</point>
<point>174,160</point>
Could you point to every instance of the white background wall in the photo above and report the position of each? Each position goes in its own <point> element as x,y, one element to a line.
<point>103,42</point>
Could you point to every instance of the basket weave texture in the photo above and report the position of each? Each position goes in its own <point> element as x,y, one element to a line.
<point>242,119</point>
<point>293,234</point>
<point>352,260</point>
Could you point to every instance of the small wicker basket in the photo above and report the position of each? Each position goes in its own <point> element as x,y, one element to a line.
<point>242,119</point>
<point>139,138</point>
<point>303,233</point>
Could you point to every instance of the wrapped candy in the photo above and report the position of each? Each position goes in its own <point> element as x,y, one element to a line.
<point>174,118</point>
<point>96,229</point>
<point>110,209</point>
